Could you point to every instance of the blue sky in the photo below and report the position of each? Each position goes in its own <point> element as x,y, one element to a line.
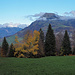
<point>16,10</point>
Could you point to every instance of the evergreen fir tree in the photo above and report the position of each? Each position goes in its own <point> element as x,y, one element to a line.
<point>41,35</point>
<point>5,46</point>
<point>11,50</point>
<point>66,44</point>
<point>73,51</point>
<point>41,51</point>
<point>50,42</point>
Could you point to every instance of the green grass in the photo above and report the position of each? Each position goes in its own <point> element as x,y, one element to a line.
<point>63,65</point>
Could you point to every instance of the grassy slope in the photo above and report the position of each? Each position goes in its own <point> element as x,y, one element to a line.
<point>63,65</point>
<point>11,39</point>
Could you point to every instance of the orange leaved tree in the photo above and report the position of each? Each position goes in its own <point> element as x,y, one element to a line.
<point>29,46</point>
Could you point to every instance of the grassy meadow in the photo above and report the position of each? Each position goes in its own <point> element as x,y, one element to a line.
<point>54,65</point>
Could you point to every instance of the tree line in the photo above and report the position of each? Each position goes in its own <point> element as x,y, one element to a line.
<point>34,45</point>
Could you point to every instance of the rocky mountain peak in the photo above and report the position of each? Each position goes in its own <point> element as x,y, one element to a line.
<point>50,16</point>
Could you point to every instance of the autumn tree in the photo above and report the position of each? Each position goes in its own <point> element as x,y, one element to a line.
<point>16,39</point>
<point>2,53</point>
<point>50,42</point>
<point>61,53</point>
<point>29,47</point>
<point>18,47</point>
<point>66,44</point>
<point>27,44</point>
<point>11,50</point>
<point>35,43</point>
<point>26,36</point>
<point>5,47</point>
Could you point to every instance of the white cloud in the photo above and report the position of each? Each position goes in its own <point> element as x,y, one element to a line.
<point>68,15</point>
<point>22,25</point>
<point>42,18</point>
<point>35,16</point>
<point>72,13</point>
<point>11,24</point>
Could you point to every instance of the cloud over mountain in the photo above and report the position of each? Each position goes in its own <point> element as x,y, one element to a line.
<point>72,13</point>
<point>51,16</point>
<point>35,16</point>
<point>11,24</point>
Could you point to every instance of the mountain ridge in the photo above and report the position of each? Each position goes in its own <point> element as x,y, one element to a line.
<point>56,22</point>
<point>7,31</point>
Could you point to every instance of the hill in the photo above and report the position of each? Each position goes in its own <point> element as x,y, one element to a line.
<point>59,23</point>
<point>56,65</point>
<point>7,31</point>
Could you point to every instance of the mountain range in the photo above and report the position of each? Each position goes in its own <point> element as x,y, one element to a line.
<point>7,31</point>
<point>59,23</point>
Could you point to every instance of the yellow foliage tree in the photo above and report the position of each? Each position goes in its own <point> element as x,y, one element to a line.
<point>18,47</point>
<point>29,46</point>
<point>2,53</point>
<point>16,39</point>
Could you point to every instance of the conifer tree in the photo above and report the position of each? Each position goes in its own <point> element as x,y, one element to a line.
<point>50,42</point>
<point>11,50</point>
<point>73,51</point>
<point>5,46</point>
<point>41,51</point>
<point>66,44</point>
<point>73,38</point>
<point>41,35</point>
